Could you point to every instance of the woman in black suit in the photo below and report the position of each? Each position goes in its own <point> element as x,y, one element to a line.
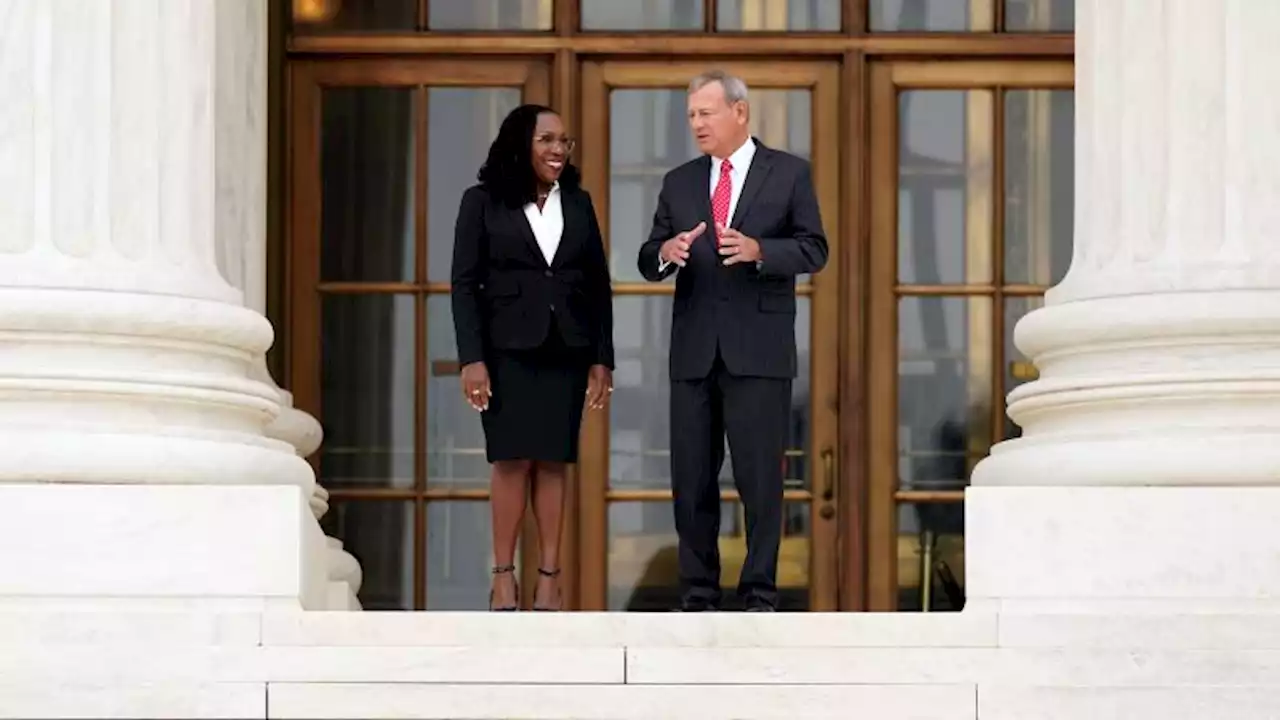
<point>532,308</point>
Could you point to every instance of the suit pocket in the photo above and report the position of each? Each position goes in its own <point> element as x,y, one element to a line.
<point>502,290</point>
<point>777,303</point>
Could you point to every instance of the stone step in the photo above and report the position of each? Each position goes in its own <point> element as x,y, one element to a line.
<point>648,665</point>
<point>1146,631</point>
<point>614,665</point>
<point>595,629</point>
<point>621,702</point>
<point>70,697</point>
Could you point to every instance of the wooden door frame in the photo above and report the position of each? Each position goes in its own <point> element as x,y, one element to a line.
<point>301,256</point>
<point>887,79</point>
<point>823,80</point>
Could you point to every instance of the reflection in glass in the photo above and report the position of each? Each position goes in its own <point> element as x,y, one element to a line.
<point>379,534</point>
<point>459,555</point>
<point>366,378</point>
<point>1018,367</point>
<point>643,569</point>
<point>366,166</point>
<point>1040,15</point>
<point>931,15</point>
<point>326,16</point>
<point>460,125</point>
<point>778,15</point>
<point>1039,185</point>
<point>455,439</point>
<point>944,390</point>
<point>944,187</point>
<point>931,546</point>
<point>640,420</point>
<point>489,14</point>
<point>649,136</point>
<point>641,14</point>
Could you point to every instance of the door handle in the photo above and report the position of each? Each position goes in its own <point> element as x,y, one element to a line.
<point>829,474</point>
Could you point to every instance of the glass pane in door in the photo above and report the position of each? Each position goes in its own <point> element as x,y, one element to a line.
<point>474,15</point>
<point>1039,15</point>
<point>778,15</point>
<point>379,535</point>
<point>931,15</point>
<point>1039,185</point>
<point>635,15</point>
<point>366,210</point>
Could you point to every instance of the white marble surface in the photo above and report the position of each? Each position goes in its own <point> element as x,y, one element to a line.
<point>1177,155</point>
<point>554,666</point>
<point>1149,630</point>
<point>240,136</point>
<point>1149,458</point>
<point>142,541</point>
<point>622,702</point>
<point>133,443</point>
<point>40,626</point>
<point>113,142</point>
<point>1088,667</point>
<point>59,700</point>
<point>1230,702</point>
<point>602,629</point>
<point>1183,546</point>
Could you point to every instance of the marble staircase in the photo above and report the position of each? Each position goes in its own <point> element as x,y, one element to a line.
<point>966,666</point>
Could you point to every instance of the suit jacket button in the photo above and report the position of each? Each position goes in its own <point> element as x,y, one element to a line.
<point>548,273</point>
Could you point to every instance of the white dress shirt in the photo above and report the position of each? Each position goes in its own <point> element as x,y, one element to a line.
<point>741,161</point>
<point>547,223</point>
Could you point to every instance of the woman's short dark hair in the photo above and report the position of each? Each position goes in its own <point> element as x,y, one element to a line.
<point>508,171</point>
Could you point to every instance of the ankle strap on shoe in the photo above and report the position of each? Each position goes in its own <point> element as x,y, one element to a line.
<point>500,569</point>
<point>549,573</point>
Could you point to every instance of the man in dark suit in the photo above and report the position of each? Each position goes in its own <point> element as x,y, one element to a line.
<point>735,226</point>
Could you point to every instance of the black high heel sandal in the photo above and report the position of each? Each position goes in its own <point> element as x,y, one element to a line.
<point>502,570</point>
<point>550,574</point>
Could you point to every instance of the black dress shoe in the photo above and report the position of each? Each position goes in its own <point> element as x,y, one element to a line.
<point>760,606</point>
<point>697,606</point>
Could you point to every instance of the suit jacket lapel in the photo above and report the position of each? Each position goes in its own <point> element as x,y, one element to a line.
<point>522,221</point>
<point>756,174</point>
<point>575,227</point>
<point>702,193</point>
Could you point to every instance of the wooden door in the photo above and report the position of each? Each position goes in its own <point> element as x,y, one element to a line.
<point>971,221</point>
<point>380,153</point>
<point>633,131</point>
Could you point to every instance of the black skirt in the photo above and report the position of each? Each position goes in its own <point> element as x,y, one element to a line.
<point>538,398</point>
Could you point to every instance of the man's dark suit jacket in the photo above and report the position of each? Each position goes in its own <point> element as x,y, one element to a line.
<point>505,295</point>
<point>748,311</point>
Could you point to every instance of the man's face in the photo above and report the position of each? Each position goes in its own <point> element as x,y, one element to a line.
<point>718,126</point>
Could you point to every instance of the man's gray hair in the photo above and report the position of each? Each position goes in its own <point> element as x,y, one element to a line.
<point>735,90</point>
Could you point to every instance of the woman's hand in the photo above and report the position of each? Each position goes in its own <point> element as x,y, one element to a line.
<point>475,385</point>
<point>599,386</point>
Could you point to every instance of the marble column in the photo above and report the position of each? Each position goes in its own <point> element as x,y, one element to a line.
<point>1148,468</point>
<point>240,221</point>
<point>133,444</point>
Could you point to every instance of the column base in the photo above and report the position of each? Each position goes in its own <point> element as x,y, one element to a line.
<point>150,546</point>
<point>1123,549</point>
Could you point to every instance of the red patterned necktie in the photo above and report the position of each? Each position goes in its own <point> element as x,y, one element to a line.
<point>720,198</point>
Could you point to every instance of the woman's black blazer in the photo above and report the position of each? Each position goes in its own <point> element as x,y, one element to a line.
<point>505,295</point>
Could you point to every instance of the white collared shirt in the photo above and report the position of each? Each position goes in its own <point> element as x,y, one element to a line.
<point>547,223</point>
<point>741,161</point>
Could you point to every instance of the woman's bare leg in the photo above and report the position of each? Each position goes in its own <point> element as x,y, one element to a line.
<point>509,494</point>
<point>548,508</point>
